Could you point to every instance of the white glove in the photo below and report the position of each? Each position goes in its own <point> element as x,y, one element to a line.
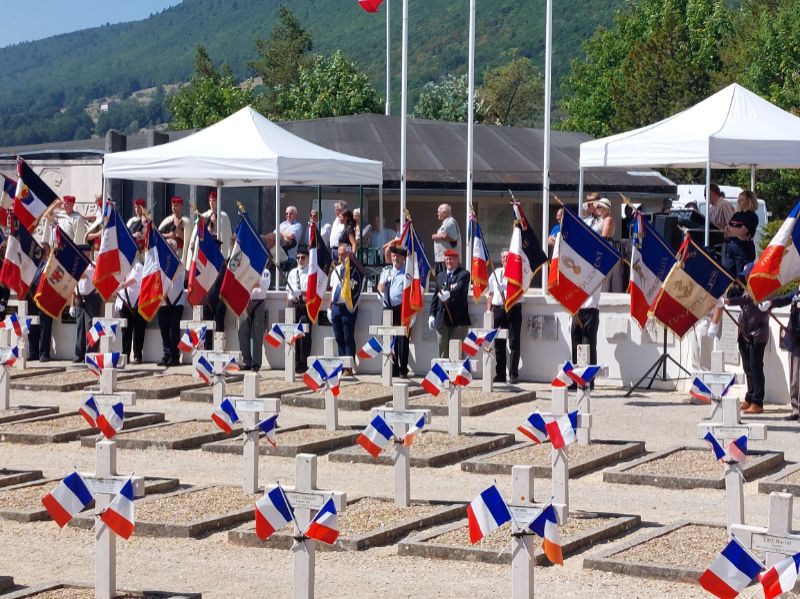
<point>294,294</point>
<point>713,329</point>
<point>330,315</point>
<point>796,299</point>
<point>765,305</point>
<point>72,311</point>
<point>431,320</point>
<point>444,295</point>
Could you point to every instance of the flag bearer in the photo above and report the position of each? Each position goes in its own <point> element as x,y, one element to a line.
<point>252,324</point>
<point>346,283</point>
<point>169,320</point>
<point>296,290</point>
<point>511,320</point>
<point>390,287</point>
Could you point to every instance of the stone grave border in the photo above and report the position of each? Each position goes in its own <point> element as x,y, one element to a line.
<point>485,442</point>
<point>6,584</point>
<point>33,591</point>
<point>10,477</point>
<point>622,452</point>
<point>205,394</point>
<point>17,374</point>
<point>478,409</point>
<point>132,420</point>
<point>759,462</point>
<point>233,445</point>
<point>385,535</point>
<point>27,412</point>
<point>417,545</point>
<point>773,482</point>
<point>26,384</point>
<point>181,443</point>
<point>315,401</point>
<point>605,562</point>
<point>166,392</point>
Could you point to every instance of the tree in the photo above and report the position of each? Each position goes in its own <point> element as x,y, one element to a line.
<point>513,94</point>
<point>284,53</point>
<point>446,100</point>
<point>328,86</point>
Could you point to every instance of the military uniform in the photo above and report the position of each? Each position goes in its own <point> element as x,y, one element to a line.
<point>451,318</point>
<point>296,289</point>
<point>391,283</point>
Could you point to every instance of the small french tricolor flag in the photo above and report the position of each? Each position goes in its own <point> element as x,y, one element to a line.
<point>781,577</point>
<point>111,420</point>
<point>118,516</point>
<point>569,375</point>
<point>89,411</point>
<point>204,369</point>
<point>561,430</point>
<point>68,499</point>
<point>737,449</point>
<point>731,572</point>
<point>534,428</point>
<point>434,381</point>
<point>275,336</point>
<point>19,327</point>
<point>325,525</point>
<point>268,427</point>
<point>487,512</point>
<point>98,330</point>
<point>370,349</point>
<point>719,453</point>
<point>376,436</point>
<point>471,345</point>
<point>191,339</point>
<point>464,375</point>
<point>9,356</point>
<point>298,333</point>
<point>273,512</point>
<point>545,524</point>
<point>700,391</point>
<point>225,416</point>
<point>409,437</point>
<point>99,361</point>
<point>315,376</point>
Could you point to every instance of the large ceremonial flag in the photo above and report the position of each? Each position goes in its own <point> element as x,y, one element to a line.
<point>22,259</point>
<point>247,262</point>
<point>525,257</point>
<point>487,512</point>
<point>781,577</point>
<point>691,288</point>
<point>68,499</point>
<point>581,260</point>
<point>206,264</point>
<point>32,197</point>
<point>779,263</point>
<point>160,267</point>
<point>479,269</point>
<point>651,260</point>
<point>416,277</point>
<point>319,262</point>
<point>60,276</point>
<point>118,516</point>
<point>273,512</point>
<point>117,253</point>
<point>731,572</point>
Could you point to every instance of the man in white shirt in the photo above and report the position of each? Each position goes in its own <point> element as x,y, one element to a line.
<point>511,320</point>
<point>584,328</point>
<point>221,231</point>
<point>336,227</point>
<point>296,289</point>
<point>720,210</point>
<point>290,234</point>
<point>137,224</point>
<point>447,236</point>
<point>390,287</point>
<point>177,227</point>
<point>72,222</point>
<point>252,324</point>
<point>86,306</point>
<point>342,319</point>
<point>127,306</point>
<point>169,320</point>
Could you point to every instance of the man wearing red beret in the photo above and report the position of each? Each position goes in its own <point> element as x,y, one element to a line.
<point>449,315</point>
<point>177,227</point>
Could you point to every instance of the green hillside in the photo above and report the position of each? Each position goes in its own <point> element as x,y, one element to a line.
<point>72,69</point>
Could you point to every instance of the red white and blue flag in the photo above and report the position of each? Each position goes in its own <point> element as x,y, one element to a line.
<point>32,196</point>
<point>700,391</point>
<point>486,513</point>
<point>99,329</point>
<point>479,269</point>
<point>9,356</point>
<point>317,377</point>
<point>691,288</point>
<point>118,516</point>
<point>561,430</point>
<point>192,338</point>
<point>412,433</point>
<point>781,577</point>
<point>416,274</point>
<point>204,369</point>
<point>161,265</point>
<point>581,260</point>
<point>473,342</point>
<point>737,449</point>
<point>545,525</point>
<point>117,253</point>
<point>715,446</point>
<point>7,200</point>
<point>569,375</point>
<point>779,263</point>
<point>525,257</point>
<point>15,324</point>
<point>89,411</point>
<point>111,420</point>
<point>370,5</point>
<point>434,381</point>
<point>68,499</point>
<point>275,337</point>
<point>325,525</point>
<point>225,416</point>
<point>651,260</point>
<point>269,426</point>
<point>60,276</point>
<point>463,374</point>
<point>96,362</point>
<point>206,264</point>
<point>370,349</point>
<point>731,572</point>
<point>319,263</point>
<point>535,428</point>
<point>247,262</point>
<point>22,259</point>
<point>273,512</point>
<point>376,436</point>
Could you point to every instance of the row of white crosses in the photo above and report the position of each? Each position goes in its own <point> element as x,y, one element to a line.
<point>13,349</point>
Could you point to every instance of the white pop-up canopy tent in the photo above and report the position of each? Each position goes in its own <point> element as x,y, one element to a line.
<point>733,128</point>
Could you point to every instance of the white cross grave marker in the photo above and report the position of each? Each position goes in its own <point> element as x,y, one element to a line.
<point>288,329</point>
<point>331,362</point>
<point>522,548</point>
<point>197,322</point>
<point>716,380</point>
<point>453,364</point>
<point>777,540</point>
<point>401,418</point>
<point>8,340</point>
<point>387,331</point>
<point>729,429</point>
<point>584,398</point>
<point>488,357</point>
<point>250,409</point>
<point>22,342</point>
<point>108,377</point>
<point>218,361</point>
<point>307,499</point>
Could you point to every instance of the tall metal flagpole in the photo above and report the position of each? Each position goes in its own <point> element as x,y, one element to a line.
<point>470,130</point>
<point>403,115</point>
<point>548,67</point>
<point>388,57</point>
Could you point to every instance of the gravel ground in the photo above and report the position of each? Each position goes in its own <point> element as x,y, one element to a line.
<point>63,378</point>
<point>469,397</point>
<point>308,435</point>
<point>188,507</point>
<point>51,425</point>
<point>539,455</point>
<point>364,391</point>
<point>793,478</point>
<point>429,443</point>
<point>158,382</point>
<point>25,499</point>
<point>370,514</point>
<point>692,545</point>
<point>79,594</point>
<point>173,430</point>
<point>694,463</point>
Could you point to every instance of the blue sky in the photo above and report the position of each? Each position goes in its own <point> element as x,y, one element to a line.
<point>28,20</point>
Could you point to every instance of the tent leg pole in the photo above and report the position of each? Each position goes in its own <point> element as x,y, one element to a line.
<point>277,231</point>
<point>580,192</point>
<point>380,207</point>
<point>753,178</point>
<point>708,203</point>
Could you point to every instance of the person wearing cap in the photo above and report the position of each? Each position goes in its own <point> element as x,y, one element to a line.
<point>137,224</point>
<point>589,215</point>
<point>86,306</point>
<point>127,306</point>
<point>449,315</point>
<point>753,324</point>
<point>341,317</point>
<point>253,323</point>
<point>72,222</point>
<point>95,230</point>
<point>511,320</point>
<point>606,222</point>
<point>447,237</point>
<point>296,289</point>
<point>177,227</point>
<point>169,317</point>
<point>390,287</point>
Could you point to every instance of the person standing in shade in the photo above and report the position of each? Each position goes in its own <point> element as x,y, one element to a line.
<point>511,320</point>
<point>137,224</point>
<point>334,231</point>
<point>447,237</point>
<point>296,289</point>
<point>740,249</point>
<point>40,337</point>
<point>342,319</point>
<point>290,233</point>
<point>177,227</point>
<point>390,287</point>
<point>169,317</point>
<point>584,328</point>
<point>252,324</point>
<point>720,210</point>
<point>72,222</point>
<point>348,234</point>
<point>86,306</point>
<point>127,305</point>
<point>790,341</point>
<point>449,315</point>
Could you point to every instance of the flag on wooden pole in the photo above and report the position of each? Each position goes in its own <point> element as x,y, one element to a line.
<point>525,257</point>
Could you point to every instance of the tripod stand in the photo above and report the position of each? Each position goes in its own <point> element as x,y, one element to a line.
<point>661,363</point>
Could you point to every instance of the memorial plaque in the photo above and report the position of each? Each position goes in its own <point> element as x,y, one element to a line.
<point>312,501</point>
<point>549,328</point>
<point>523,514</point>
<point>728,343</point>
<point>400,416</point>
<point>786,546</point>
<point>255,405</point>
<point>112,485</point>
